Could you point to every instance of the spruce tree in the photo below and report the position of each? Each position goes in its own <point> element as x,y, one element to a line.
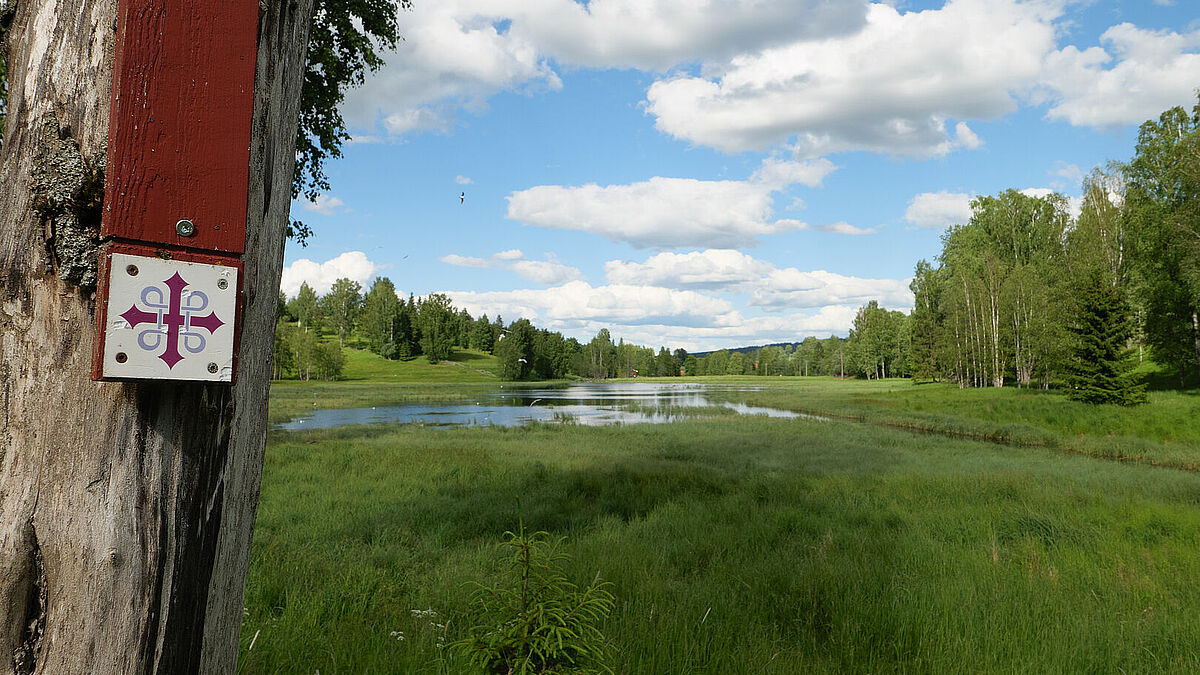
<point>1101,364</point>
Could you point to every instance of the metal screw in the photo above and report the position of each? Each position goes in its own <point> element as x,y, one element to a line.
<point>131,270</point>
<point>222,284</point>
<point>185,228</point>
<point>121,357</point>
<point>212,367</point>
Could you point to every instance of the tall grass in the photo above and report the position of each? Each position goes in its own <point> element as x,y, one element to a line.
<point>1163,432</point>
<point>734,545</point>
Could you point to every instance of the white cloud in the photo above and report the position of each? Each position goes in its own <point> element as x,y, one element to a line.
<point>462,180</point>
<point>660,212</point>
<point>352,265</point>
<point>1134,77</point>
<point>658,34</point>
<point>967,138</point>
<point>457,53</point>
<point>616,304</point>
<point>1074,204</point>
<point>649,315</point>
<point>538,271</point>
<point>778,174</point>
<point>713,268</point>
<point>674,212</point>
<point>466,261</point>
<point>890,87</point>
<point>672,299</point>
<point>939,209</point>
<point>832,320</point>
<point>770,288</point>
<point>326,205</point>
<point>791,288</point>
<point>843,227</point>
<point>453,56</point>
<point>1037,193</point>
<point>1071,172</point>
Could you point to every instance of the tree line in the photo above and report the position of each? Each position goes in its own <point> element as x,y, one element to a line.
<point>1022,293</point>
<point>431,327</point>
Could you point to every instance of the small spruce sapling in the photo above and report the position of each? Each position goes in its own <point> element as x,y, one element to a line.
<point>539,622</point>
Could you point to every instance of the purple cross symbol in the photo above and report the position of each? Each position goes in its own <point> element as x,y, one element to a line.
<point>173,319</point>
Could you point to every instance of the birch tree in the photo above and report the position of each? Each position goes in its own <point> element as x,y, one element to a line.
<point>1164,200</point>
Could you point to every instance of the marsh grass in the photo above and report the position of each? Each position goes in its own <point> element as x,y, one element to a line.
<point>1164,432</point>
<point>734,545</point>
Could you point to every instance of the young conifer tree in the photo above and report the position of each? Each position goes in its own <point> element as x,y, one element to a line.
<point>1101,363</point>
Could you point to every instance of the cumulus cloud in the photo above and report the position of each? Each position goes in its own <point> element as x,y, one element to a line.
<point>462,180</point>
<point>678,299</point>
<point>713,269</point>
<point>890,87</point>
<point>1071,172</point>
<point>353,265</point>
<point>675,212</point>
<point>616,304</point>
<point>658,34</point>
<point>822,76</point>
<point>770,288</point>
<point>660,212</point>
<point>457,53</point>
<point>538,271</point>
<point>833,320</point>
<point>778,173</point>
<point>1074,204</point>
<point>651,315</point>
<point>939,209</point>
<point>326,205</point>
<point>791,288</point>
<point>1134,76</point>
<point>841,227</point>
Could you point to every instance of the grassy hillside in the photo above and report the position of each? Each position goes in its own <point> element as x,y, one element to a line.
<point>370,380</point>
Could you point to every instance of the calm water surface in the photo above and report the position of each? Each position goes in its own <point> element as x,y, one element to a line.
<point>591,403</point>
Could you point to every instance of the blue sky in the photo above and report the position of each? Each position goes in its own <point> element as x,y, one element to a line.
<point>715,173</point>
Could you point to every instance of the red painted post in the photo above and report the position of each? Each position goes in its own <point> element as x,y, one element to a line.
<point>179,133</point>
<point>177,176</point>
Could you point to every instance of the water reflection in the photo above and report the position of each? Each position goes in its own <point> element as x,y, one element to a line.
<point>591,404</point>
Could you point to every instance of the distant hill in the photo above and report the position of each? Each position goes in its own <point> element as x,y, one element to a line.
<point>750,349</point>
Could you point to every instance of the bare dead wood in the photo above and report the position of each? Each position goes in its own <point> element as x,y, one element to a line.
<point>126,509</point>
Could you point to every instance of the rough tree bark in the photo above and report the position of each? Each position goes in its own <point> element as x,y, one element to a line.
<point>126,509</point>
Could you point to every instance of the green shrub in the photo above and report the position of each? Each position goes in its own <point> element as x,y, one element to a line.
<point>540,622</point>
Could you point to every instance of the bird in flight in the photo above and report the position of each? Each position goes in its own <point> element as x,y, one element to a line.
<point>462,197</point>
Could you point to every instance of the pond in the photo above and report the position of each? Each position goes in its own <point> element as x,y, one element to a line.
<point>592,403</point>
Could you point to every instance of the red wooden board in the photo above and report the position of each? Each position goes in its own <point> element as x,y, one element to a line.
<point>179,134</point>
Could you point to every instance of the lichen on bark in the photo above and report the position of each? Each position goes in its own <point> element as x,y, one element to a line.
<point>68,193</point>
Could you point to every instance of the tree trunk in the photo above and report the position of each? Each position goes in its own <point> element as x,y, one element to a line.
<point>126,509</point>
<point>1196,335</point>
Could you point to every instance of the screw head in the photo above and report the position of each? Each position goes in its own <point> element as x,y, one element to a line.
<point>222,284</point>
<point>185,228</point>
<point>122,357</point>
<point>131,270</point>
<point>212,367</point>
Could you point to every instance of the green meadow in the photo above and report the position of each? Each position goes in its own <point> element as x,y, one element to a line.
<point>919,529</point>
